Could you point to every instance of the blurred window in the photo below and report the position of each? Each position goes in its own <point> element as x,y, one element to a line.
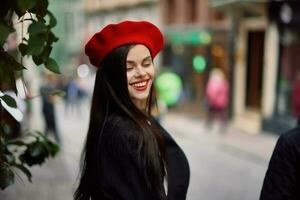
<point>170,11</point>
<point>288,71</point>
<point>255,69</point>
<point>217,16</point>
<point>191,11</point>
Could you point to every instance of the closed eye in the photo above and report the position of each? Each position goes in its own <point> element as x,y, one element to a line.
<point>128,68</point>
<point>147,64</point>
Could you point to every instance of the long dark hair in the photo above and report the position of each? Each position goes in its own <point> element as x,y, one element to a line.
<point>111,96</point>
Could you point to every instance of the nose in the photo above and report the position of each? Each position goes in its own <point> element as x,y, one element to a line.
<point>140,71</point>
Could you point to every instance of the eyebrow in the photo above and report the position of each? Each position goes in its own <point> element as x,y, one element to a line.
<point>131,61</point>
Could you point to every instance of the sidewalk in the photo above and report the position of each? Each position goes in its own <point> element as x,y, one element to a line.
<point>227,166</point>
<point>256,146</point>
<point>56,179</point>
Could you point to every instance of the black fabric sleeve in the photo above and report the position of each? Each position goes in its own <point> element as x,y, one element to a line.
<point>280,182</point>
<point>177,167</point>
<point>121,175</point>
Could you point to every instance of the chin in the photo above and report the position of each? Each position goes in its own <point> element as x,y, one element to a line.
<point>141,96</point>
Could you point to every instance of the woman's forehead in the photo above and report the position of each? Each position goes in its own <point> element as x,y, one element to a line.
<point>138,52</point>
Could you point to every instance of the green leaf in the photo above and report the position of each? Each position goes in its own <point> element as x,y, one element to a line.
<point>5,7</point>
<point>16,142</point>
<point>52,148</point>
<point>26,4</point>
<point>23,49</point>
<point>10,158</point>
<point>52,66</point>
<point>7,76</point>
<point>5,30</point>
<point>46,53</point>
<point>36,153</point>
<point>40,9</point>
<point>39,133</point>
<point>53,20</point>
<point>6,130</point>
<point>36,44</point>
<point>7,177</point>
<point>37,60</point>
<point>19,12</point>
<point>37,27</point>
<point>9,101</point>
<point>36,149</point>
<point>52,38</point>
<point>8,62</point>
<point>24,170</point>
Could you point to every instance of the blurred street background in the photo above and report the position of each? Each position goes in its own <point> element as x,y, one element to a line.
<point>230,166</point>
<point>250,45</point>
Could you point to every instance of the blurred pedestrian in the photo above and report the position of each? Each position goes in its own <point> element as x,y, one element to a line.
<point>72,96</point>
<point>83,94</point>
<point>128,155</point>
<point>217,94</point>
<point>282,179</point>
<point>48,109</point>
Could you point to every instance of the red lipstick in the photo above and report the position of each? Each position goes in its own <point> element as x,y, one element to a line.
<point>140,85</point>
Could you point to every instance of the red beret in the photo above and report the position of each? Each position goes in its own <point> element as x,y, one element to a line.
<point>126,32</point>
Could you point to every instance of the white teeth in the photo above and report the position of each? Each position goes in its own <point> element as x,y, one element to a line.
<point>140,84</point>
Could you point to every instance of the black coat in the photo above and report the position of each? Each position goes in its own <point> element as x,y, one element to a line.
<point>122,177</point>
<point>282,180</point>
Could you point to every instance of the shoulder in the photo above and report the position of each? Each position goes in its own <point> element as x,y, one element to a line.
<point>292,137</point>
<point>118,123</point>
<point>288,144</point>
<point>118,131</point>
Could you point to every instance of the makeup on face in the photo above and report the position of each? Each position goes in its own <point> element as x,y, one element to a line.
<point>140,72</point>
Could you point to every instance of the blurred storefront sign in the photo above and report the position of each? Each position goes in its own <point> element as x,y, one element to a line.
<point>189,37</point>
<point>199,63</point>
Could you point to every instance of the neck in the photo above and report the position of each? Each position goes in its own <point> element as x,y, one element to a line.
<point>141,104</point>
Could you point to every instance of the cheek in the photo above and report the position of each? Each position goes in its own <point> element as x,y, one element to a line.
<point>152,71</point>
<point>129,75</point>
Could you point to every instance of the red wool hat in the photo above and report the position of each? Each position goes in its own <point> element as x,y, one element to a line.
<point>126,32</point>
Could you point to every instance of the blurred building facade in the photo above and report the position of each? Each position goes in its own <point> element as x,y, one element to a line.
<point>286,15</point>
<point>100,13</point>
<point>263,63</point>
<point>196,41</point>
<point>70,30</point>
<point>254,47</point>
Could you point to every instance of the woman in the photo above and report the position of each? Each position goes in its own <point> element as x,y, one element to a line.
<point>217,96</point>
<point>127,154</point>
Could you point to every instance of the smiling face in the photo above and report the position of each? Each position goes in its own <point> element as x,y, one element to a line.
<point>140,73</point>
